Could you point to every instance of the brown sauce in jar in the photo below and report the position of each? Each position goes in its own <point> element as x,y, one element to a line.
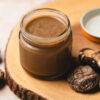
<point>46,61</point>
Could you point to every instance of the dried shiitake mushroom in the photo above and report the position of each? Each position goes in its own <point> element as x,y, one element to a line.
<point>83,79</point>
<point>95,60</point>
<point>99,83</point>
<point>2,80</point>
<point>85,56</point>
<point>90,57</point>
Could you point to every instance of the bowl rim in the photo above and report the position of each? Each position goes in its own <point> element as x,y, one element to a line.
<point>82,20</point>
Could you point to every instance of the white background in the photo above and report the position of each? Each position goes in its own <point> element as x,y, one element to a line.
<point>10,13</point>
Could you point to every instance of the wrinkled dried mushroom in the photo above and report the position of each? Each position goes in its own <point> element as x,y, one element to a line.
<point>85,56</point>
<point>95,60</point>
<point>2,80</point>
<point>90,57</point>
<point>83,79</point>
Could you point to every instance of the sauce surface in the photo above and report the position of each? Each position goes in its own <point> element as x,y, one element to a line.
<point>46,27</point>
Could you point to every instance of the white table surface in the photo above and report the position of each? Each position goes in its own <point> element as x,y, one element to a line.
<point>10,13</point>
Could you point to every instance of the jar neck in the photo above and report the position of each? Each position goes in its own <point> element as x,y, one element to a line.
<point>40,41</point>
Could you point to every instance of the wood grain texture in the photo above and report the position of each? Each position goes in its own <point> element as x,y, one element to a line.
<point>29,88</point>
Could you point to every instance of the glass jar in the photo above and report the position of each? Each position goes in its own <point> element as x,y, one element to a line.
<point>43,57</point>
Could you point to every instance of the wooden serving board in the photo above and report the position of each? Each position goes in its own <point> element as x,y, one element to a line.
<point>29,88</point>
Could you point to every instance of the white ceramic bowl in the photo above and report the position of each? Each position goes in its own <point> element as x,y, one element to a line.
<point>90,24</point>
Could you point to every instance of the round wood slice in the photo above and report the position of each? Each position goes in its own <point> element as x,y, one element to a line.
<point>29,88</point>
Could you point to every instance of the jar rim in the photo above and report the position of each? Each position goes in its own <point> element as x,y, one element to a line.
<point>41,41</point>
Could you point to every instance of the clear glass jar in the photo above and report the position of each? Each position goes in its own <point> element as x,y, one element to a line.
<point>43,57</point>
